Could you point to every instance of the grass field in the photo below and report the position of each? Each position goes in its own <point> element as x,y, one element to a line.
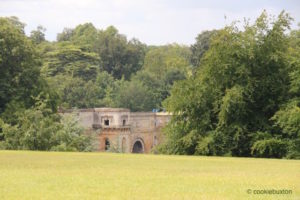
<point>52,175</point>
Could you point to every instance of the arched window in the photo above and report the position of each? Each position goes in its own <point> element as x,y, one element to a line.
<point>107,144</point>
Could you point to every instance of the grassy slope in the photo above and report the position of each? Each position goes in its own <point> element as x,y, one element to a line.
<point>51,175</point>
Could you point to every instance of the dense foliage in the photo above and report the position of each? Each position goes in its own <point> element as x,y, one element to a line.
<point>235,92</point>
<point>244,98</point>
<point>38,128</point>
<point>27,103</point>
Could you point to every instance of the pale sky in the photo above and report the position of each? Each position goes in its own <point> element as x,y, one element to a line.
<point>154,22</point>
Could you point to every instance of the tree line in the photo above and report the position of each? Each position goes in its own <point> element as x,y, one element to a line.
<point>234,92</point>
<point>84,68</point>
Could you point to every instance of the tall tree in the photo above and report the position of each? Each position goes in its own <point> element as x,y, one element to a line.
<point>201,46</point>
<point>287,119</point>
<point>71,60</point>
<point>19,66</point>
<point>38,35</point>
<point>241,83</point>
<point>119,57</point>
<point>65,35</point>
<point>162,67</point>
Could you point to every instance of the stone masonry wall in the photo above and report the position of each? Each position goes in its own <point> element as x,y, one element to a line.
<point>118,129</point>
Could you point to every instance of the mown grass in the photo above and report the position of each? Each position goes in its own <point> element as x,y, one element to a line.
<point>54,175</point>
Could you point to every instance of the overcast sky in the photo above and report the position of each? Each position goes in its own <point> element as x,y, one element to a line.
<point>153,22</point>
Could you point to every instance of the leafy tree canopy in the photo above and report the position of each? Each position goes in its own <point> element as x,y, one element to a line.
<point>243,79</point>
<point>19,67</point>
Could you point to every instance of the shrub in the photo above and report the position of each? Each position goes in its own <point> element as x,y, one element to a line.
<point>204,146</point>
<point>294,149</point>
<point>38,128</point>
<point>269,148</point>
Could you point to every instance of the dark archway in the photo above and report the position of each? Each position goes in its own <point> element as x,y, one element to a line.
<point>138,147</point>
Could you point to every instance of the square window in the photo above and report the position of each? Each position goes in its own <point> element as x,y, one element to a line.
<point>106,122</point>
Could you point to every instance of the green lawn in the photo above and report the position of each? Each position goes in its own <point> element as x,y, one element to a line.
<point>52,175</point>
